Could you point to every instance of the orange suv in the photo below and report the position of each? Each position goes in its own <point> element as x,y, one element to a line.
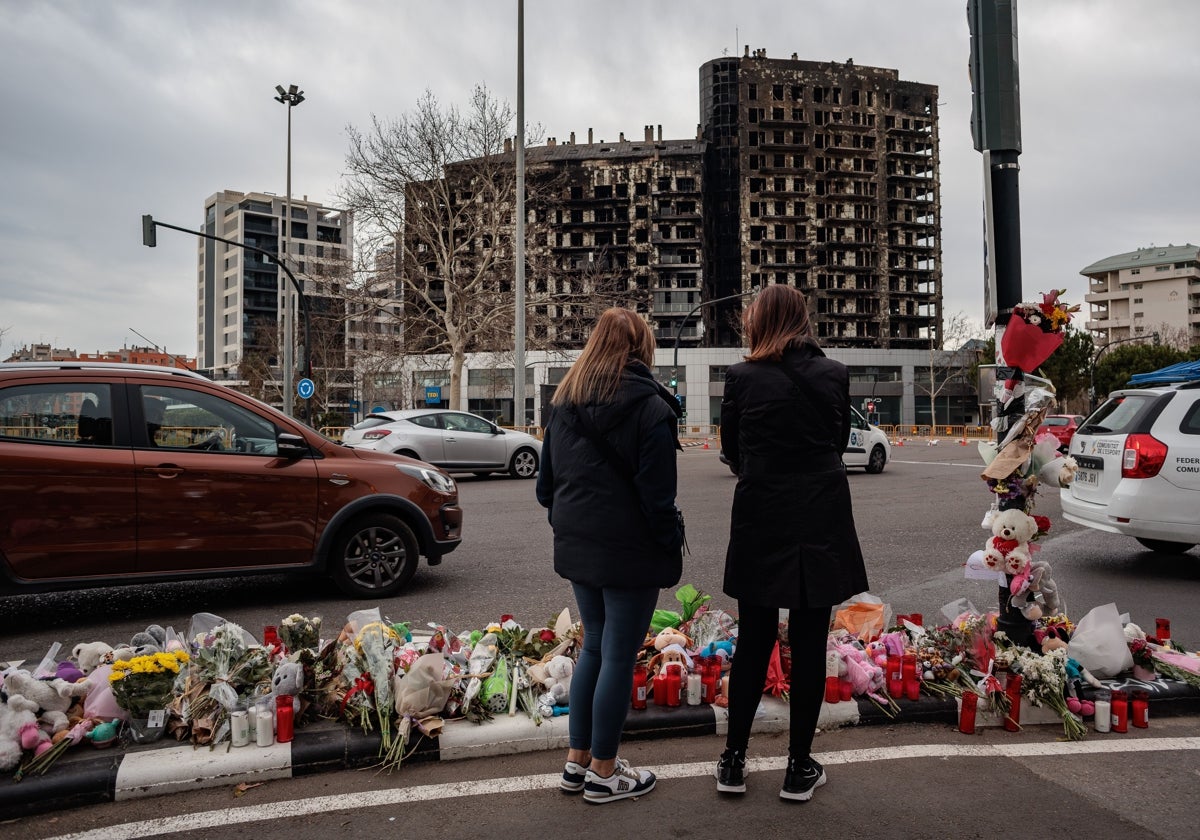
<point>114,474</point>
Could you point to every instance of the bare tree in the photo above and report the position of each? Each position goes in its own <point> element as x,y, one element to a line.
<point>954,364</point>
<point>439,185</point>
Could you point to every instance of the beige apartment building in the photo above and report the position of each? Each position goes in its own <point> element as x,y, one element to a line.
<point>1143,291</point>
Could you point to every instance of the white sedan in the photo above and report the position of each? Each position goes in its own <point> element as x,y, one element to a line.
<point>453,440</point>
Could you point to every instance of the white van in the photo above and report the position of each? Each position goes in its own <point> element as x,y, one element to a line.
<point>868,447</point>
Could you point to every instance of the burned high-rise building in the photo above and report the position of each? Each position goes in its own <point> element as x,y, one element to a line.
<point>824,175</point>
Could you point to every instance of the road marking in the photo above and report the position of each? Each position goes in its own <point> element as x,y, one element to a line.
<point>489,787</point>
<point>976,466</point>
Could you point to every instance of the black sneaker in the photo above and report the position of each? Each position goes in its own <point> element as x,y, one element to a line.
<point>624,782</point>
<point>731,772</point>
<point>803,777</point>
<point>572,777</point>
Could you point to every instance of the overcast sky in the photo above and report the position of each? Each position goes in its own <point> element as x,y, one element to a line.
<point>112,109</point>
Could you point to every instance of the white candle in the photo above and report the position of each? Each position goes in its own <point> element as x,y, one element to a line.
<point>265,734</point>
<point>239,727</point>
<point>694,690</point>
<point>1103,716</point>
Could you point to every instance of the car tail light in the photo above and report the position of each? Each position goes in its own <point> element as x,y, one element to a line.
<point>1143,456</point>
<point>375,434</point>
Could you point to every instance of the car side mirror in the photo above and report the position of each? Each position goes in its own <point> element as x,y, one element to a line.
<point>291,446</point>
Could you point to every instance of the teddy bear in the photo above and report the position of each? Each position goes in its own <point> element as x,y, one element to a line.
<point>17,714</point>
<point>558,678</point>
<point>288,680</point>
<point>90,655</point>
<point>1007,550</point>
<point>1034,592</point>
<point>53,697</point>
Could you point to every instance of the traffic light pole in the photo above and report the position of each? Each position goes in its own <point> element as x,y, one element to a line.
<point>150,240</point>
<point>683,323</point>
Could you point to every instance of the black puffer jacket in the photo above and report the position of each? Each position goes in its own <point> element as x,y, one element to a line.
<point>792,540</point>
<point>605,534</point>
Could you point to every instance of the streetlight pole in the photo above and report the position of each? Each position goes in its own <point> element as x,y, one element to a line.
<point>150,240</point>
<point>291,97</point>
<point>519,418</point>
<point>1096,358</point>
<point>683,323</point>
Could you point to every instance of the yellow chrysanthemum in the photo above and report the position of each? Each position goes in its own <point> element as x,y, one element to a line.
<point>115,676</point>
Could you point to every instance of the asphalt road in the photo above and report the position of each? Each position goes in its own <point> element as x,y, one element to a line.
<point>918,521</point>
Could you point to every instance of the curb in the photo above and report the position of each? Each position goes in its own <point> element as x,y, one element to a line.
<point>79,778</point>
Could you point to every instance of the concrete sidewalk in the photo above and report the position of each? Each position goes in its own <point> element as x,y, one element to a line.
<point>86,776</point>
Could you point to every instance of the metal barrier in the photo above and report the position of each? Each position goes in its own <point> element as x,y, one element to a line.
<point>924,430</point>
<point>333,432</point>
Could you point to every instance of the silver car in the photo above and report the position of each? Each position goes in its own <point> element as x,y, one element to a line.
<point>453,440</point>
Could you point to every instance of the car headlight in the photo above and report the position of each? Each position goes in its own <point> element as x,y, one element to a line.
<point>432,479</point>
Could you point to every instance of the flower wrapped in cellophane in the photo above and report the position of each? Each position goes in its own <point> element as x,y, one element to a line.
<point>228,668</point>
<point>146,684</point>
<point>421,695</point>
<point>368,668</point>
<point>300,633</point>
<point>1044,682</point>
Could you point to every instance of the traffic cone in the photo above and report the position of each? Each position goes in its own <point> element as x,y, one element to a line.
<point>706,443</point>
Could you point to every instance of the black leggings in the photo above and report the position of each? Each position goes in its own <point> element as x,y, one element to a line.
<point>758,628</point>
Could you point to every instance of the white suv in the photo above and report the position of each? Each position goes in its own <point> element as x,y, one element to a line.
<point>1139,468</point>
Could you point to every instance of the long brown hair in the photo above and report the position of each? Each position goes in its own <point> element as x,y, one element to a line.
<point>619,335</point>
<point>776,320</point>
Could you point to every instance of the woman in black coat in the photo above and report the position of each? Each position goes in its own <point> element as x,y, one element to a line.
<point>608,477</point>
<point>785,420</point>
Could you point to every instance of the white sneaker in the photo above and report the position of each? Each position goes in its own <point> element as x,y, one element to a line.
<point>624,782</point>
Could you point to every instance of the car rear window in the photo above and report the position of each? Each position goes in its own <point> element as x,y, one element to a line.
<point>1055,421</point>
<point>371,422</point>
<point>1119,414</point>
<point>1190,424</point>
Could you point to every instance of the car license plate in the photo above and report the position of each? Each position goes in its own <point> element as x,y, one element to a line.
<point>1087,478</point>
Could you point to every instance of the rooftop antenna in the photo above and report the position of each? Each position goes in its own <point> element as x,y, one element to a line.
<point>174,359</point>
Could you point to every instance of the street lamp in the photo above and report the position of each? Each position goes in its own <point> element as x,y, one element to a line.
<point>150,240</point>
<point>688,317</point>
<point>291,97</point>
<point>1096,357</point>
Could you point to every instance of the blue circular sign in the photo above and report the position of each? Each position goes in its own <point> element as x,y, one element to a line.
<point>305,388</point>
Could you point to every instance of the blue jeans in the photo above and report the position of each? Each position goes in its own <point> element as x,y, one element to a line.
<point>615,622</point>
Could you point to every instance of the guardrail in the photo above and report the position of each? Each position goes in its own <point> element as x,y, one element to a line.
<point>924,430</point>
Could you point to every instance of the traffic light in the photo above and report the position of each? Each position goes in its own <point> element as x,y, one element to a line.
<point>870,408</point>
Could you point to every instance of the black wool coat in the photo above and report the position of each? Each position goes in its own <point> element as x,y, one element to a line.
<point>605,533</point>
<point>792,541</point>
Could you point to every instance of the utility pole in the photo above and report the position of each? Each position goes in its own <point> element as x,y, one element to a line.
<point>996,131</point>
<point>519,418</point>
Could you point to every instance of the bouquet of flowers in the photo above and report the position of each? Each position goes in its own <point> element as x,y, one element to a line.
<point>227,668</point>
<point>145,684</point>
<point>300,633</point>
<point>1035,331</point>
<point>369,670</point>
<point>1044,682</point>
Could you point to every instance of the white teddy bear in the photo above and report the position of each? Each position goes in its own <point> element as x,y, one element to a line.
<point>1008,549</point>
<point>53,697</point>
<point>15,715</point>
<point>558,678</point>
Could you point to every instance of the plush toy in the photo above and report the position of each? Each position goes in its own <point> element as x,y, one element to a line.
<point>671,636</point>
<point>1034,592</point>
<point>151,640</point>
<point>558,678</point>
<point>1054,638</point>
<point>670,655</point>
<point>288,679</point>
<point>53,697</point>
<point>16,715</point>
<point>1007,550</point>
<point>89,655</point>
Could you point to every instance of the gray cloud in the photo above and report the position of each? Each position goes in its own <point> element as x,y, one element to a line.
<point>115,109</point>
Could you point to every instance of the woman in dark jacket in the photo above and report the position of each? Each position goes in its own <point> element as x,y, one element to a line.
<point>608,478</point>
<point>785,420</point>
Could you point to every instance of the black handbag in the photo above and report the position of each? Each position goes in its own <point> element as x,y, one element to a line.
<point>587,428</point>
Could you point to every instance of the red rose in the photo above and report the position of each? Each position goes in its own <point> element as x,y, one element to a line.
<point>547,635</point>
<point>505,617</point>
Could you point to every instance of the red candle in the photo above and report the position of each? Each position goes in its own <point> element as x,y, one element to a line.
<point>966,715</point>
<point>271,637</point>
<point>912,680</point>
<point>674,686</point>
<point>660,689</point>
<point>832,691</point>
<point>845,689</point>
<point>917,619</point>
<point>1120,711</point>
<point>284,718</point>
<point>708,688</point>
<point>1013,691</point>
<point>1140,716</point>
<point>639,686</point>
<point>895,678</point>
<point>1162,629</point>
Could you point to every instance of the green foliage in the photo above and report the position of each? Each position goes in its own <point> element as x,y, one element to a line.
<point>1117,365</point>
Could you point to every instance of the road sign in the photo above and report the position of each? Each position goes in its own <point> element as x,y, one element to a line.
<point>355,405</point>
<point>433,394</point>
<point>305,388</point>
<point>378,409</point>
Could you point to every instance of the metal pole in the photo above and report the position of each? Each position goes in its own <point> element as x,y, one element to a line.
<point>289,341</point>
<point>519,418</point>
<point>688,317</point>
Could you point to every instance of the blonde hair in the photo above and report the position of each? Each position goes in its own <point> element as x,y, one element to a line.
<point>777,319</point>
<point>619,336</point>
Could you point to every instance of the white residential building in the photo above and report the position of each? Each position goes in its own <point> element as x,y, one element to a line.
<point>1139,292</point>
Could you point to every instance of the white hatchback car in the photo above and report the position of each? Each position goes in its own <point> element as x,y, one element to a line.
<point>1139,468</point>
<point>453,440</point>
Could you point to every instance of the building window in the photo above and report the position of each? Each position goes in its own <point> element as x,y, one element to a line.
<point>1135,271</point>
<point>1137,300</point>
<point>1162,268</point>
